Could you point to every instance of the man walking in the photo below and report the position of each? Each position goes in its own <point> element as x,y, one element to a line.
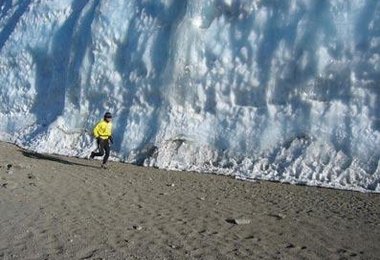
<point>103,135</point>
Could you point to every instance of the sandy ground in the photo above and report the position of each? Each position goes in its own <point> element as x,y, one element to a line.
<point>53,207</point>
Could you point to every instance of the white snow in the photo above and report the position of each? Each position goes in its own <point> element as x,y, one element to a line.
<point>278,90</point>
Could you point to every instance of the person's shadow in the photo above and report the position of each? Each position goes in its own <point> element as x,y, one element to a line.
<point>39,156</point>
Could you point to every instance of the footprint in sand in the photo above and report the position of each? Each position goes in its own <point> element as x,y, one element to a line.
<point>253,238</point>
<point>8,185</point>
<point>345,253</point>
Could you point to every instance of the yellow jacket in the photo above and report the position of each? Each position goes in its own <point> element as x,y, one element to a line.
<point>103,130</point>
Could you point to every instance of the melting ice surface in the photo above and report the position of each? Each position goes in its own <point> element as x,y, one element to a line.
<point>285,90</point>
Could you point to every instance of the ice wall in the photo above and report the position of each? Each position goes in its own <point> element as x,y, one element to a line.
<point>285,90</point>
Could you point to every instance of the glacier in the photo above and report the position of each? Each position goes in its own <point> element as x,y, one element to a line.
<point>281,90</point>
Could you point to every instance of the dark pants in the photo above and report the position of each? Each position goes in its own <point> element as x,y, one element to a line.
<point>103,146</point>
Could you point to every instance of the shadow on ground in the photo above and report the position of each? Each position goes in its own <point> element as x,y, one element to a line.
<point>39,156</point>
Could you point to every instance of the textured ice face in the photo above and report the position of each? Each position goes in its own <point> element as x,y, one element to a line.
<point>271,89</point>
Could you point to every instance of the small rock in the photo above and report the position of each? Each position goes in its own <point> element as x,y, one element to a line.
<point>137,227</point>
<point>202,198</point>
<point>242,221</point>
<point>171,185</point>
<point>239,221</point>
<point>290,245</point>
<point>278,216</point>
<point>9,169</point>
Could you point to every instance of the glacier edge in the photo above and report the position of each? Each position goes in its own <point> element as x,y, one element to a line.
<point>275,90</point>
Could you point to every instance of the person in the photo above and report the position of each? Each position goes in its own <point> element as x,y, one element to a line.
<point>103,135</point>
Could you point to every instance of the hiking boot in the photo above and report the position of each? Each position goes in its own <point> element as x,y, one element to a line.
<point>92,156</point>
<point>104,166</point>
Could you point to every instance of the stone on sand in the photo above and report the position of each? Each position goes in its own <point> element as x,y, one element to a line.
<point>137,227</point>
<point>239,221</point>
